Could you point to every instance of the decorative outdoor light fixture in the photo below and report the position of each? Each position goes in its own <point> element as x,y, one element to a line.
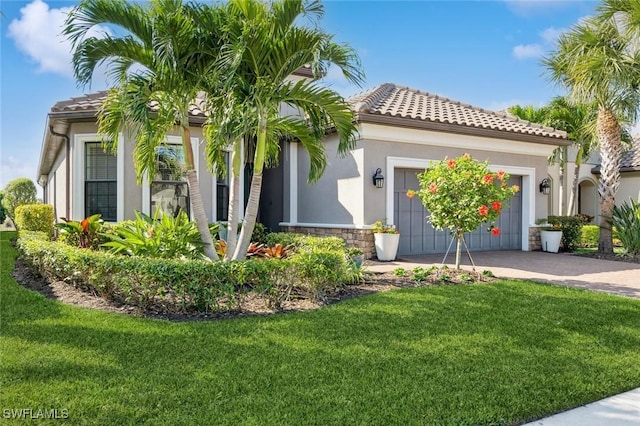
<point>378,179</point>
<point>545,186</point>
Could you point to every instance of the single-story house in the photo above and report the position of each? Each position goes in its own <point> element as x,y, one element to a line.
<point>588,200</point>
<point>400,131</point>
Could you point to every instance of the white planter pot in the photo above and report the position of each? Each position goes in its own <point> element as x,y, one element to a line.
<point>386,246</point>
<point>550,240</point>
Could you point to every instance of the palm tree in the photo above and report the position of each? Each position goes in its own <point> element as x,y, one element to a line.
<point>158,70</point>
<point>266,47</point>
<point>598,64</point>
<point>578,120</point>
<point>541,115</point>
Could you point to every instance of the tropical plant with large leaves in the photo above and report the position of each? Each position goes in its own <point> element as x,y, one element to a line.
<point>596,61</point>
<point>158,64</point>
<point>265,45</point>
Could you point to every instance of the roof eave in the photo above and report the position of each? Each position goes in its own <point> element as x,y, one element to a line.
<point>50,146</point>
<point>365,117</point>
<point>596,170</point>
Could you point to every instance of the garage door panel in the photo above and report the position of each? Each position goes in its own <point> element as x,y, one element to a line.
<point>417,236</point>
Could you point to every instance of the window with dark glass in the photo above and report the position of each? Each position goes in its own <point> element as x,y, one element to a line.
<point>169,190</point>
<point>222,194</point>
<point>100,187</point>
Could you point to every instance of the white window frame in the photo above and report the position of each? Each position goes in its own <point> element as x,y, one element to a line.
<point>146,184</point>
<point>78,173</point>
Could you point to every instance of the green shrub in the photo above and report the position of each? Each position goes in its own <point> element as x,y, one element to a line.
<point>305,242</point>
<point>626,226</point>
<point>35,217</point>
<point>259,234</point>
<point>590,235</point>
<point>319,271</point>
<point>161,236</point>
<point>83,234</point>
<point>175,285</point>
<point>571,230</point>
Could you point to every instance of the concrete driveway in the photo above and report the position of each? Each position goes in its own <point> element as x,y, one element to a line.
<point>619,278</point>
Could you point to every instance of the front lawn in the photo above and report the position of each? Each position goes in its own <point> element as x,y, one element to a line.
<point>498,353</point>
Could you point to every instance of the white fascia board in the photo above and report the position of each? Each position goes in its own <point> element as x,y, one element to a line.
<point>451,140</point>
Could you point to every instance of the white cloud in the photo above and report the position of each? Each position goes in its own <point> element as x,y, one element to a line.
<point>12,169</point>
<point>550,35</point>
<point>38,34</point>
<point>547,39</point>
<point>526,51</point>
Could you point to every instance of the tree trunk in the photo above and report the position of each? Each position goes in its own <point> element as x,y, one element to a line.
<point>234,200</point>
<point>459,237</point>
<point>250,215</point>
<point>609,137</point>
<point>196,197</point>
<point>251,211</point>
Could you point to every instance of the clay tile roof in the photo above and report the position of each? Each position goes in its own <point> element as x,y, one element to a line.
<point>91,102</point>
<point>411,104</point>
<point>630,159</point>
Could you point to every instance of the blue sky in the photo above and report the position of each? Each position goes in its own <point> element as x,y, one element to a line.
<point>485,53</point>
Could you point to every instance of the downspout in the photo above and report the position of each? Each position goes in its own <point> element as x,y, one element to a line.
<point>67,198</point>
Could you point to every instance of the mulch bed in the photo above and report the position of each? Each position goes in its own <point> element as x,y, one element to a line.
<point>251,304</point>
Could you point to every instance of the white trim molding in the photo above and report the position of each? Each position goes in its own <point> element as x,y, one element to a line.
<point>325,225</point>
<point>450,140</point>
<point>528,175</point>
<point>293,184</point>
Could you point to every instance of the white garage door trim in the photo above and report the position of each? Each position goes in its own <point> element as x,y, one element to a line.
<point>528,175</point>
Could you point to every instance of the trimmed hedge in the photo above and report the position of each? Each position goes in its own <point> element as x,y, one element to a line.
<point>35,217</point>
<point>590,235</point>
<point>171,285</point>
<point>306,242</point>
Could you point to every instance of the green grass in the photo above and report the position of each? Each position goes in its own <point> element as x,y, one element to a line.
<point>581,250</point>
<point>498,353</point>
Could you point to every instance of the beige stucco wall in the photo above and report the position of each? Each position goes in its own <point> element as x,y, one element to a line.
<point>132,197</point>
<point>359,203</point>
<point>343,181</point>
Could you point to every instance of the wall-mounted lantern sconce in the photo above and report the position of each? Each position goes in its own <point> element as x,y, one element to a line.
<point>545,186</point>
<point>378,179</point>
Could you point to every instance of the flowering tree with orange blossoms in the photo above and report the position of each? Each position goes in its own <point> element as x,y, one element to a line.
<point>461,194</point>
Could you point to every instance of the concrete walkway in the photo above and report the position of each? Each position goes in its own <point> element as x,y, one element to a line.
<point>618,278</point>
<point>618,410</point>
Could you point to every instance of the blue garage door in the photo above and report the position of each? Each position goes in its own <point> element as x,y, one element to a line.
<point>417,236</point>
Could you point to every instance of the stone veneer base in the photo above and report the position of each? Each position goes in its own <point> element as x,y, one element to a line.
<point>361,238</point>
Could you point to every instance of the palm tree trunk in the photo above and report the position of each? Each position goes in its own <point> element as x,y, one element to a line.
<point>234,200</point>
<point>250,215</point>
<point>574,189</point>
<point>251,212</point>
<point>609,136</point>
<point>195,197</point>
